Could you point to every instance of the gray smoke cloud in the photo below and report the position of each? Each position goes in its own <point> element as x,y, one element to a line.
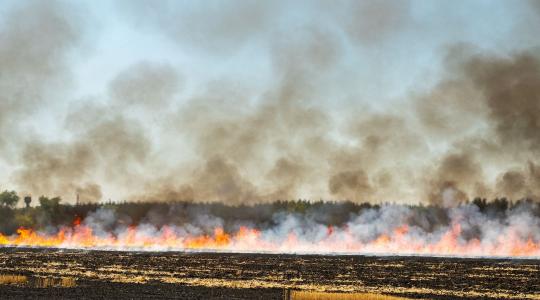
<point>35,39</point>
<point>482,229</point>
<point>302,132</point>
<point>145,84</point>
<point>232,140</point>
<point>110,146</point>
<point>505,100</point>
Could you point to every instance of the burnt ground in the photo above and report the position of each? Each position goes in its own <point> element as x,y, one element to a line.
<point>177,275</point>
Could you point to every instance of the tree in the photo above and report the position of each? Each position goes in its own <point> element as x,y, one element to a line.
<point>8,199</point>
<point>481,203</point>
<point>27,201</point>
<point>49,204</point>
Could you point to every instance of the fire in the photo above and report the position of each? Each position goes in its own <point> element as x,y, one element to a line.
<point>335,240</point>
<point>77,221</point>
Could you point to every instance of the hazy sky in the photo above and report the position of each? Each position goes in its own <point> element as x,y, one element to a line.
<point>152,99</point>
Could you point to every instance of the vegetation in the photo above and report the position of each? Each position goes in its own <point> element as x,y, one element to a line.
<point>49,205</point>
<point>310,295</point>
<point>51,212</point>
<point>8,199</point>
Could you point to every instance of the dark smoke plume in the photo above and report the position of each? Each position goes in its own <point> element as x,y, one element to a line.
<point>304,131</point>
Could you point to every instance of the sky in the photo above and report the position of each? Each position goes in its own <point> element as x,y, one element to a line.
<point>250,101</point>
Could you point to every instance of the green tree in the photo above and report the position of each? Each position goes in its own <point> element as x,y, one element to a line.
<point>9,199</point>
<point>49,204</point>
<point>27,201</point>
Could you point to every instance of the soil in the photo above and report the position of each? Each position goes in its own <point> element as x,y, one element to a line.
<point>86,274</point>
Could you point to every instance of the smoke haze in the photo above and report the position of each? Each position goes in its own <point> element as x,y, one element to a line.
<point>246,102</point>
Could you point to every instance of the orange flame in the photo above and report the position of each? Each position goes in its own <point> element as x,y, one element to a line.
<point>335,240</point>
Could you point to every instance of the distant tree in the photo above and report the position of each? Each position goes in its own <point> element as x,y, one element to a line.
<point>49,204</point>
<point>27,201</point>
<point>8,199</point>
<point>481,203</point>
<point>500,204</point>
<point>24,219</point>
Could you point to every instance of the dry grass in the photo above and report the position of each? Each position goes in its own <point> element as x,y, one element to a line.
<point>46,282</point>
<point>303,295</point>
<point>13,279</point>
<point>38,282</point>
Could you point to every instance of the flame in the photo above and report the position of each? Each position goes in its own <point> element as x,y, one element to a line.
<point>335,240</point>
<point>77,221</point>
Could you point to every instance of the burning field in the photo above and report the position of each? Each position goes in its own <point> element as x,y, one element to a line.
<point>156,149</point>
<point>497,229</point>
<point>291,250</point>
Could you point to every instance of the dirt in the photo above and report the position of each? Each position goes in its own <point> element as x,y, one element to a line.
<point>175,275</point>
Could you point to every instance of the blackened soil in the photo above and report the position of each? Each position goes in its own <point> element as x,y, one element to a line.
<point>111,290</point>
<point>174,275</point>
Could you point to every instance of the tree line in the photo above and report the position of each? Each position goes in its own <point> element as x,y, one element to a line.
<point>52,213</point>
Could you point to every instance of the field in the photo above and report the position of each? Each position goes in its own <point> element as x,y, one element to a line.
<point>29,273</point>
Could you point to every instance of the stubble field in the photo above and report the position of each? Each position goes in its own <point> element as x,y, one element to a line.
<point>36,273</point>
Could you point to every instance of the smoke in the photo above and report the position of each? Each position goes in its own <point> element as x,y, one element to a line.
<point>112,147</point>
<point>511,91</point>
<point>35,39</point>
<point>494,229</point>
<point>507,91</point>
<point>351,184</point>
<point>370,22</point>
<point>218,27</point>
<point>215,27</point>
<point>309,120</point>
<point>455,172</point>
<point>145,84</point>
